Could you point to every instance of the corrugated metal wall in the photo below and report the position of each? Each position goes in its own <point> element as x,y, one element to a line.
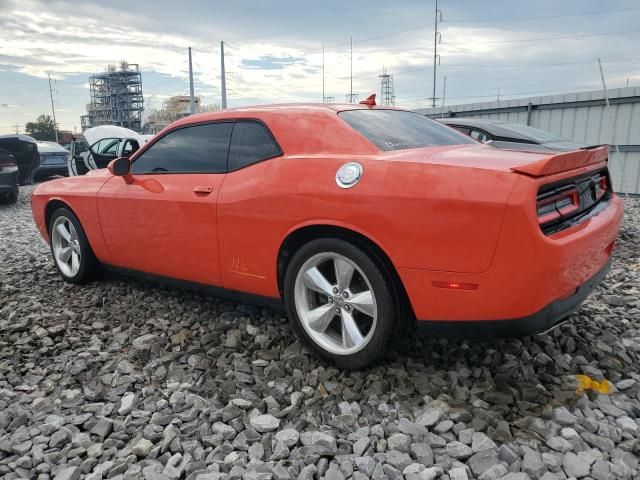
<point>582,117</point>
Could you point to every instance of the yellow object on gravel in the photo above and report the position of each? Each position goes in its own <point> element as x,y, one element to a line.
<point>587,383</point>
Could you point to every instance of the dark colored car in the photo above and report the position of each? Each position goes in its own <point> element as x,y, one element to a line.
<point>25,150</point>
<point>54,159</point>
<point>510,135</point>
<point>8,177</point>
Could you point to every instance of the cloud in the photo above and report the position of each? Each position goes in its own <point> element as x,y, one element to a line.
<point>271,62</point>
<point>274,50</point>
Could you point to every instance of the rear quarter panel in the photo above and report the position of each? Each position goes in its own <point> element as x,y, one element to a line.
<point>424,216</point>
<point>79,193</point>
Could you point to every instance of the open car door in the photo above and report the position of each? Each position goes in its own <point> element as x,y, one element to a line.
<point>99,145</point>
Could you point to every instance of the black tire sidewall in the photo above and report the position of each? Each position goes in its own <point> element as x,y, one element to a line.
<point>382,340</point>
<point>87,258</point>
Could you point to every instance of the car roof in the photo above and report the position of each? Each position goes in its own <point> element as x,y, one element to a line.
<point>18,136</point>
<point>278,109</point>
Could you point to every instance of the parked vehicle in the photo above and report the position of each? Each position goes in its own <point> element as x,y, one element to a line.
<point>54,159</point>
<point>361,219</point>
<point>8,177</point>
<point>99,145</point>
<point>510,135</point>
<point>25,151</point>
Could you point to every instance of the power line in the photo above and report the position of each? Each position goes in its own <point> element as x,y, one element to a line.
<point>512,65</point>
<point>542,17</point>
<point>562,37</point>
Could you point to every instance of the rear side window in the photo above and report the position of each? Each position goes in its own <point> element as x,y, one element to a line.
<point>399,129</point>
<point>197,149</point>
<point>251,142</point>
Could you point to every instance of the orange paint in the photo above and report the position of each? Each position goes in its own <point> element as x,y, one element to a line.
<point>444,215</point>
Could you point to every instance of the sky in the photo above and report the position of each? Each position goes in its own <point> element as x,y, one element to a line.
<point>273,50</point>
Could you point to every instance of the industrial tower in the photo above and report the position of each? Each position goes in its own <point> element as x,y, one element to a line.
<point>116,98</point>
<point>387,95</point>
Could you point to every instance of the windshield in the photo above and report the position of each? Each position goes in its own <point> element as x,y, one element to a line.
<point>399,129</point>
<point>50,147</point>
<point>533,133</point>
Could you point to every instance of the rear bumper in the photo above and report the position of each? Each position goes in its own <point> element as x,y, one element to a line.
<point>529,273</point>
<point>48,170</point>
<point>550,316</point>
<point>9,180</point>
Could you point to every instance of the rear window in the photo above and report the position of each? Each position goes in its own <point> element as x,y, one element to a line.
<point>50,147</point>
<point>399,129</point>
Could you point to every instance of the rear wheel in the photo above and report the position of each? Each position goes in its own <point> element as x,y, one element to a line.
<point>340,303</point>
<point>70,248</point>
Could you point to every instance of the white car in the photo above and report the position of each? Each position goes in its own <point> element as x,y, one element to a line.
<point>100,145</point>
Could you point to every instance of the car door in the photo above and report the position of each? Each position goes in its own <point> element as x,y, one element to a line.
<point>245,212</point>
<point>164,221</point>
<point>103,151</point>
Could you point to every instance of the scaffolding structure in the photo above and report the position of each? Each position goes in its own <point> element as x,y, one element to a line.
<point>116,98</point>
<point>174,108</point>
<point>387,95</point>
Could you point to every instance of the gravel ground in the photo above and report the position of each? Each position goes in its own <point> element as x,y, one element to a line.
<point>123,379</point>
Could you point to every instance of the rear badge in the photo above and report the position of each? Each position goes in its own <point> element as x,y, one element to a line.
<point>349,174</point>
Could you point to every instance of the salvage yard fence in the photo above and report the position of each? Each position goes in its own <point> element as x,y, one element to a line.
<point>582,117</point>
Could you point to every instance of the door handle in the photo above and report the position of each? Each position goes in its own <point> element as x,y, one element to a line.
<point>203,189</point>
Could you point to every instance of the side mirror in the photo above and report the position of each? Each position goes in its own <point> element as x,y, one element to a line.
<point>119,167</point>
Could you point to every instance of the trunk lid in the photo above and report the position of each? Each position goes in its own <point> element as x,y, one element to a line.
<point>535,164</point>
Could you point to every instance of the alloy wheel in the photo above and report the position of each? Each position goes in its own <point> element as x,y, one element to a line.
<point>66,246</point>
<point>335,303</point>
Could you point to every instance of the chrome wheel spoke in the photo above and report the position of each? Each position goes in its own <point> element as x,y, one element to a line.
<point>316,281</point>
<point>319,318</point>
<point>344,273</point>
<point>75,262</point>
<point>351,335</point>
<point>64,254</point>
<point>363,301</point>
<point>64,233</point>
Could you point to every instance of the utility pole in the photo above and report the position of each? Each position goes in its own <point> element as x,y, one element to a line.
<point>192,105</point>
<point>436,38</point>
<point>17,128</point>
<point>444,94</point>
<point>323,97</point>
<point>223,81</point>
<point>53,110</point>
<point>612,124</point>
<point>351,68</point>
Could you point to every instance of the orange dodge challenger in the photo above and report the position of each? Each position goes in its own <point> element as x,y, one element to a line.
<point>359,218</point>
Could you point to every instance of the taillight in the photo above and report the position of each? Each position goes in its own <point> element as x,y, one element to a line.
<point>7,161</point>
<point>602,186</point>
<point>557,205</point>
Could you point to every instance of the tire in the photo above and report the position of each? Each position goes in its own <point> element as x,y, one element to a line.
<point>81,265</point>
<point>10,198</point>
<point>363,295</point>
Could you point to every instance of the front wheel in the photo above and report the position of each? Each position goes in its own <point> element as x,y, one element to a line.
<point>70,248</point>
<point>340,303</point>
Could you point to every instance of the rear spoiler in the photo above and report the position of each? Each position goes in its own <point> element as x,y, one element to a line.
<point>563,162</point>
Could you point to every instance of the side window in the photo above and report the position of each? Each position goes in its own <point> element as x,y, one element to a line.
<point>106,146</point>
<point>479,136</point>
<point>197,149</point>
<point>111,148</point>
<point>130,147</point>
<point>461,129</point>
<point>251,142</point>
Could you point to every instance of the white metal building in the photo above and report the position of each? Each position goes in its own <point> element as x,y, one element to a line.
<point>582,117</point>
